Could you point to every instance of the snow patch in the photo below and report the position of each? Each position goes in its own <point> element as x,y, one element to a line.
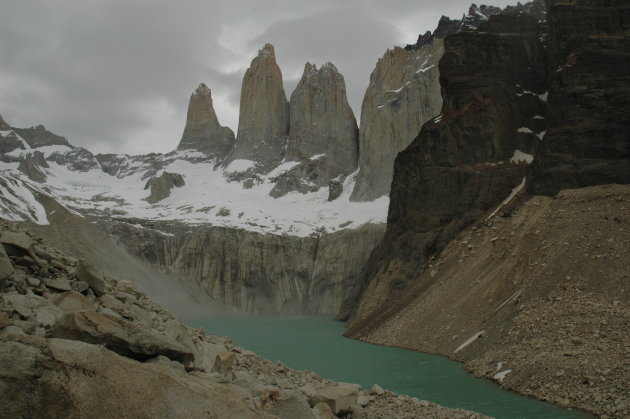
<point>541,135</point>
<point>509,198</point>
<point>520,157</point>
<point>525,130</point>
<point>500,376</point>
<point>240,165</point>
<point>469,341</point>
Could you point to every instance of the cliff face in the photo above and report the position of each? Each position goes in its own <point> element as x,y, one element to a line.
<point>587,141</point>
<point>466,160</point>
<point>258,273</point>
<point>404,92</point>
<point>203,131</point>
<point>322,121</point>
<point>324,132</point>
<point>263,125</point>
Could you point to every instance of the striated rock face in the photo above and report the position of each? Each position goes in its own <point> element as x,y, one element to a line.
<point>259,273</point>
<point>263,125</point>
<point>202,131</point>
<point>161,186</point>
<point>404,92</point>
<point>465,161</point>
<point>587,141</point>
<point>322,125</point>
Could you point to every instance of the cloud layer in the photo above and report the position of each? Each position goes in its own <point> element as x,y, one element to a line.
<point>116,75</point>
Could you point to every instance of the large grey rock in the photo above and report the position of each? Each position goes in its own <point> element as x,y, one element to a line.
<point>341,398</point>
<point>91,276</point>
<point>203,131</point>
<point>263,125</point>
<point>65,378</point>
<point>404,93</point>
<point>38,309</point>
<point>161,186</point>
<point>6,267</point>
<point>73,301</point>
<point>291,407</point>
<point>120,336</point>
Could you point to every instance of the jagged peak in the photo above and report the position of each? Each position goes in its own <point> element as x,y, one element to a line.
<point>310,69</point>
<point>267,51</point>
<point>203,90</point>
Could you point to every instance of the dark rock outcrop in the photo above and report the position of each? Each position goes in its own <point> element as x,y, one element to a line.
<point>461,166</point>
<point>161,186</point>
<point>32,165</point>
<point>202,131</point>
<point>588,140</point>
<point>3,124</point>
<point>39,136</point>
<point>263,124</point>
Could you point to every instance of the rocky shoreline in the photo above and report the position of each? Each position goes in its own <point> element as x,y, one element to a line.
<point>74,343</point>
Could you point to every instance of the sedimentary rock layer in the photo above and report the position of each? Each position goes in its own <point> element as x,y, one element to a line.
<point>587,141</point>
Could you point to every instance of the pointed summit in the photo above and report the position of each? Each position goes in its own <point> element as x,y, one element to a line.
<point>263,125</point>
<point>4,125</point>
<point>203,131</point>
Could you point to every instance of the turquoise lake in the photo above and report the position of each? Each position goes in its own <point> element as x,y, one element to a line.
<point>316,343</point>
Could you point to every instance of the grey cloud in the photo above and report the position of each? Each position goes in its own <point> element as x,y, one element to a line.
<point>116,75</point>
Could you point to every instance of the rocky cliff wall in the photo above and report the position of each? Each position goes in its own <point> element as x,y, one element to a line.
<point>466,160</point>
<point>404,92</point>
<point>253,272</point>
<point>587,140</point>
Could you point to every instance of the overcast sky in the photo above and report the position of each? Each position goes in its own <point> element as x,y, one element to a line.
<point>116,75</point>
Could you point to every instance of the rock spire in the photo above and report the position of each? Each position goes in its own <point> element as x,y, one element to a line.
<point>203,131</point>
<point>263,125</point>
<point>322,121</point>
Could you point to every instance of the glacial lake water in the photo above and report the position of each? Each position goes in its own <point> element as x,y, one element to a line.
<point>316,343</point>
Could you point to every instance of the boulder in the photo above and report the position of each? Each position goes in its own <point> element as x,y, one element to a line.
<point>161,186</point>
<point>341,398</point>
<point>65,377</point>
<point>91,276</point>
<point>73,301</point>
<point>118,335</point>
<point>323,411</point>
<point>223,362</point>
<point>292,406</point>
<point>36,308</point>
<point>206,355</point>
<point>6,267</point>
<point>59,284</point>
